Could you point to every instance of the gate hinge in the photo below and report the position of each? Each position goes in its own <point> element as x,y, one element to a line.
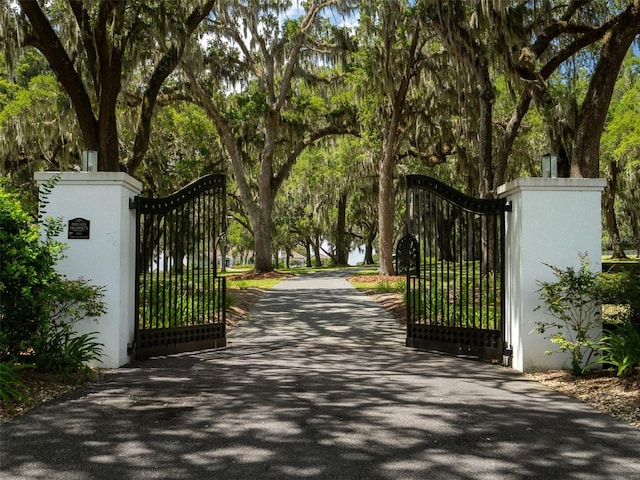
<point>508,207</point>
<point>133,203</point>
<point>507,354</point>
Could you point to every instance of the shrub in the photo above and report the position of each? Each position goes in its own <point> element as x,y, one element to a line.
<point>60,350</point>
<point>73,300</point>
<point>571,300</point>
<point>11,389</point>
<point>37,306</point>
<point>620,345</point>
<point>622,288</point>
<point>26,272</point>
<point>621,348</point>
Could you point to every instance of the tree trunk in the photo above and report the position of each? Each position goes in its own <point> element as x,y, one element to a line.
<point>385,214</point>
<point>585,161</point>
<point>385,192</point>
<point>316,249</point>
<point>385,186</point>
<point>485,133</point>
<point>262,247</point>
<point>262,221</point>
<point>635,228</point>
<point>610,221</point>
<point>223,255</point>
<point>368,250</point>
<point>53,50</point>
<point>342,254</point>
<point>446,235</point>
<point>108,147</point>
<point>307,247</point>
<point>509,137</point>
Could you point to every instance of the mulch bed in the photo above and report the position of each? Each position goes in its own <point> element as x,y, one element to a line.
<point>602,389</point>
<point>260,276</point>
<point>377,278</point>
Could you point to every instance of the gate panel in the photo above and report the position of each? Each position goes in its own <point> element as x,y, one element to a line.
<point>180,300</point>
<point>455,299</point>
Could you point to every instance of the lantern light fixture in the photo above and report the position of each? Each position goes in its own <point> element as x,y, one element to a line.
<point>549,165</point>
<point>89,160</point>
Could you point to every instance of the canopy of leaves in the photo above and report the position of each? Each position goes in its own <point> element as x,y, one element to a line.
<point>258,84</point>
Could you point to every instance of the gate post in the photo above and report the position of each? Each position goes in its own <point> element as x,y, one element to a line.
<point>551,222</point>
<point>99,230</point>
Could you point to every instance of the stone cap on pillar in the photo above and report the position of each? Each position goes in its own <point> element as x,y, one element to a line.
<point>540,184</point>
<point>91,178</point>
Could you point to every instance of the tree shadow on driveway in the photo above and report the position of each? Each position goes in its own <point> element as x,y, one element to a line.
<point>317,384</point>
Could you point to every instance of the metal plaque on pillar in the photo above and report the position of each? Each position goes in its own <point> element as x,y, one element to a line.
<point>78,229</point>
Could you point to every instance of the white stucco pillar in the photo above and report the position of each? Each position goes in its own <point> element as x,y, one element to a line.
<point>103,253</point>
<point>551,222</point>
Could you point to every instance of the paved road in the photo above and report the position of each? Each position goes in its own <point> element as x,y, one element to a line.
<point>317,385</point>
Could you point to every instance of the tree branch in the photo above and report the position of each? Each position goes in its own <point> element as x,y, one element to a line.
<point>591,37</point>
<point>162,70</point>
<point>292,61</point>
<point>431,159</point>
<point>227,137</point>
<point>84,24</point>
<point>50,46</point>
<point>299,147</point>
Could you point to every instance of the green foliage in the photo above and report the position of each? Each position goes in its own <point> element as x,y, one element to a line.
<point>26,273</point>
<point>621,288</point>
<point>463,309</point>
<point>38,307</point>
<point>621,138</point>
<point>381,285</point>
<point>41,89</point>
<point>388,286</point>
<point>11,388</point>
<point>73,300</point>
<point>176,300</point>
<point>571,300</point>
<point>620,347</point>
<point>620,154</point>
<point>60,350</point>
<point>35,121</point>
<point>244,283</point>
<point>466,301</point>
<point>183,147</point>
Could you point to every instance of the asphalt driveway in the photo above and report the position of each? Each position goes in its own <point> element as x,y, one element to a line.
<point>317,384</point>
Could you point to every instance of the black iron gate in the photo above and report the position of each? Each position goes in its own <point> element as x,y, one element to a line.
<point>453,257</point>
<point>180,300</point>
